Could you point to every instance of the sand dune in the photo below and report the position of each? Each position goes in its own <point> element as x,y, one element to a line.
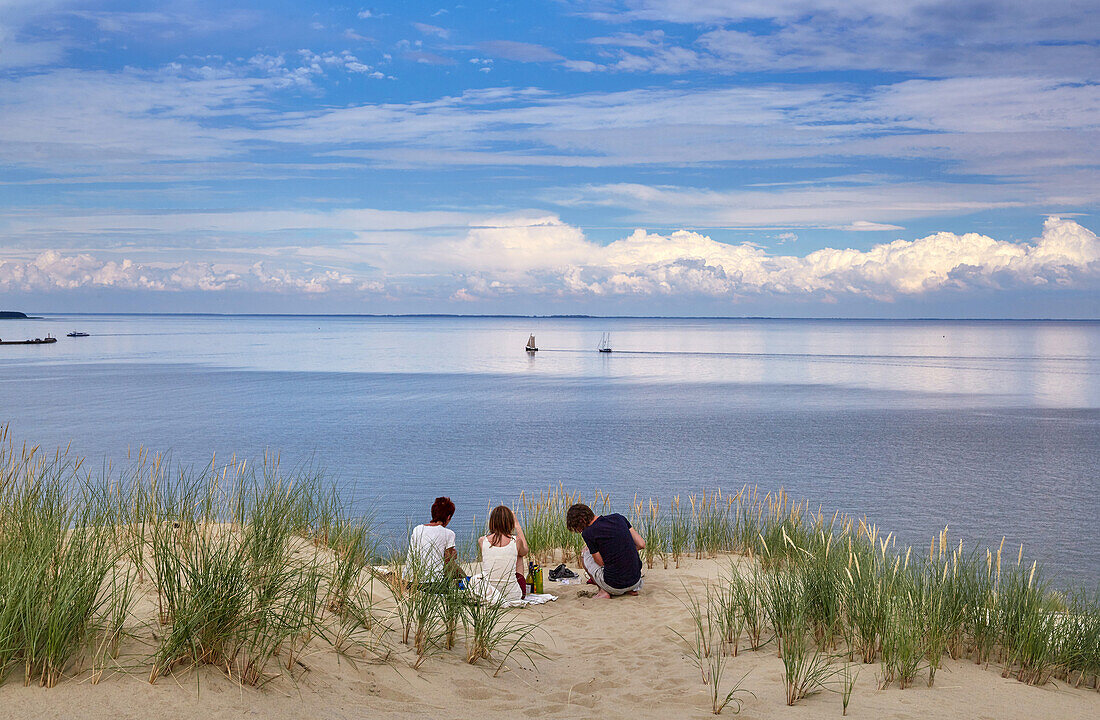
<point>604,658</point>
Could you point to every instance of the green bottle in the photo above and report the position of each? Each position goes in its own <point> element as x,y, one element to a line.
<point>536,571</point>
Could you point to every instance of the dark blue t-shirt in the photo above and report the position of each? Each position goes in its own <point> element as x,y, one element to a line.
<point>609,535</point>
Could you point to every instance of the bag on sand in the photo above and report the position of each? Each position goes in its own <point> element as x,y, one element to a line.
<point>561,571</point>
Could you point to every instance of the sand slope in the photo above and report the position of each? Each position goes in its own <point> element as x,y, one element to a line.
<point>612,659</point>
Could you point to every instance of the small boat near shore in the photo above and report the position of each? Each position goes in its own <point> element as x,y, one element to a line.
<point>531,346</point>
<point>37,341</point>
<point>77,333</point>
<point>605,343</point>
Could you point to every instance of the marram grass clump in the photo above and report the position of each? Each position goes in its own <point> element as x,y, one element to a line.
<point>57,550</point>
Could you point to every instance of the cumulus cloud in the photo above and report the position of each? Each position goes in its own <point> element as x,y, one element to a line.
<point>53,271</point>
<point>548,256</point>
<point>541,255</point>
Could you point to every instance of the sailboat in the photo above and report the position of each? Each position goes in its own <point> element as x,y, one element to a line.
<point>605,343</point>
<point>531,347</point>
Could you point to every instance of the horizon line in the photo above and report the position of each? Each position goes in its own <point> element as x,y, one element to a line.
<point>572,316</point>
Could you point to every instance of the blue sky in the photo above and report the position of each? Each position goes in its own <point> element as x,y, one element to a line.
<point>788,157</point>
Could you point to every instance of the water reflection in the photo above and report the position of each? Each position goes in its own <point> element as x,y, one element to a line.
<point>990,427</point>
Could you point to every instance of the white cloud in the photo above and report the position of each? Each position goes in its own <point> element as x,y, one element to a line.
<point>18,54</point>
<point>543,255</point>
<point>1065,20</point>
<point>17,50</point>
<point>855,206</point>
<point>195,224</point>
<point>434,30</point>
<point>519,51</point>
<point>167,24</point>
<point>1034,135</point>
<point>866,226</point>
<point>532,254</point>
<point>1002,36</point>
<point>52,271</point>
<point>648,51</point>
<point>586,66</point>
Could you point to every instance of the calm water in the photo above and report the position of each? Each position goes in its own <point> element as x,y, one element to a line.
<point>990,427</point>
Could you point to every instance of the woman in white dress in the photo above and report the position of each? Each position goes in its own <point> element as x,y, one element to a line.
<point>502,553</point>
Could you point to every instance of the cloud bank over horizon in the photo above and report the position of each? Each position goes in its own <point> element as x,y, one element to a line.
<point>527,255</point>
<point>480,156</point>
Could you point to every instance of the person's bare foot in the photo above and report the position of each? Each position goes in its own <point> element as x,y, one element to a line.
<point>603,595</point>
<point>633,593</point>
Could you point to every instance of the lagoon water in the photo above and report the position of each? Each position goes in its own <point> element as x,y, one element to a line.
<point>992,428</point>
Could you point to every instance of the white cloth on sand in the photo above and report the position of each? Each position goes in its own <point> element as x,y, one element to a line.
<point>536,599</point>
<point>488,593</point>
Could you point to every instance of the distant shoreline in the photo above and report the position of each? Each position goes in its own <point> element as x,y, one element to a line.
<point>566,317</point>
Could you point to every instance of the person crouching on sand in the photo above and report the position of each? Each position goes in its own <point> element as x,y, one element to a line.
<point>432,554</point>
<point>611,550</point>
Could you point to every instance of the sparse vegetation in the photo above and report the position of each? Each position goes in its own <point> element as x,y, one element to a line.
<point>247,565</point>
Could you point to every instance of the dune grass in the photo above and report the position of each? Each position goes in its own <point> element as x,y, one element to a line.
<point>707,646</point>
<point>248,564</point>
<point>57,549</point>
<point>831,590</point>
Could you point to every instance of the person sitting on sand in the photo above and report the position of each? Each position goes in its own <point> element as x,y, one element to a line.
<point>432,554</point>
<point>502,553</point>
<point>611,550</point>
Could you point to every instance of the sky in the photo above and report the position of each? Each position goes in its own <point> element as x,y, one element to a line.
<point>854,158</point>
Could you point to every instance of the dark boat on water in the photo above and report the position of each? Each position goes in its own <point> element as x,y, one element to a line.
<point>605,343</point>
<point>37,341</point>
<point>531,346</point>
<point>77,333</point>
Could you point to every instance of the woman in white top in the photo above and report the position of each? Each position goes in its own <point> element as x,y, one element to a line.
<point>432,554</point>
<point>502,553</point>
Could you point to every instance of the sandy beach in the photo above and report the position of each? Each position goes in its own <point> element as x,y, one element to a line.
<point>616,658</point>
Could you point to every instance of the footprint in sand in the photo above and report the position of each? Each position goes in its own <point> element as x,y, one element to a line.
<point>674,684</point>
<point>582,689</point>
<point>474,693</point>
<point>554,710</point>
